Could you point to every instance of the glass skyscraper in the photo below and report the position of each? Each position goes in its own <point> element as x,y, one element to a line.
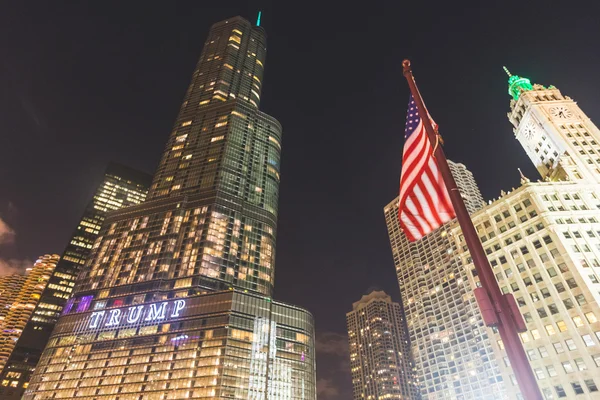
<point>121,186</point>
<point>175,299</point>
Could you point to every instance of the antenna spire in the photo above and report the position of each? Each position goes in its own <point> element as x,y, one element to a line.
<point>258,18</point>
<point>507,72</point>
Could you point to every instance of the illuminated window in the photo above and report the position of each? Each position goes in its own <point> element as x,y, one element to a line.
<point>578,321</point>
<point>217,138</point>
<point>591,317</point>
<point>561,326</point>
<point>186,123</point>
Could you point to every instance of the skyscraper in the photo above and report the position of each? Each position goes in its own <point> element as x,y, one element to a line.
<point>380,358</point>
<point>25,296</point>
<point>121,186</point>
<point>175,300</point>
<point>543,242</point>
<point>453,355</point>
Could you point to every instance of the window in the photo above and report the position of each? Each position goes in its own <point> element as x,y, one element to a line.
<point>596,358</point>
<point>539,373</point>
<point>544,353</point>
<point>570,344</point>
<point>551,371</point>
<point>553,309</point>
<point>567,367</point>
<point>587,339</point>
<point>577,388</point>
<point>532,354</point>
<point>561,326</point>
<point>578,321</point>
<point>591,385</point>
<point>524,337</point>
<point>551,331</point>
<point>580,364</point>
<point>527,317</point>
<point>560,391</point>
<point>542,312</point>
<point>568,304</point>
<point>580,299</point>
<point>558,347</point>
<point>559,287</point>
<point>591,317</point>
<point>535,334</point>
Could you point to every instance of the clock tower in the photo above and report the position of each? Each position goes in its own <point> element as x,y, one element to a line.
<point>561,141</point>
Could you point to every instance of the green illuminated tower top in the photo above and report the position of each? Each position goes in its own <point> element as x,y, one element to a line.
<point>517,84</point>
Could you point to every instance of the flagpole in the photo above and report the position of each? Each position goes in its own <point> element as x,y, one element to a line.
<point>500,313</point>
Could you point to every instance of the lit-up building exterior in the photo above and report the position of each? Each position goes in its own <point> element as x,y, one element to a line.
<point>380,358</point>
<point>452,350</point>
<point>218,345</point>
<point>22,295</point>
<point>543,242</point>
<point>192,268</point>
<point>9,289</point>
<point>121,186</point>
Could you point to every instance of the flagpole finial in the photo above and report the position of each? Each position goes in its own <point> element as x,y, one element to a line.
<point>507,71</point>
<point>406,67</point>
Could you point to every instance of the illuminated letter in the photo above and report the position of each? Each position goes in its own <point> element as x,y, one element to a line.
<point>156,312</point>
<point>113,318</point>
<point>95,319</point>
<point>179,304</point>
<point>134,314</point>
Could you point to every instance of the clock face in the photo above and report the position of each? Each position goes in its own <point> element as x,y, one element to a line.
<point>530,131</point>
<point>561,112</point>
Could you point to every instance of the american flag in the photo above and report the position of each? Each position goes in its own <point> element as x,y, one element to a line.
<point>424,202</point>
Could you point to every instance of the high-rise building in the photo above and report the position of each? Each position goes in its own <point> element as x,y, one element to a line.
<point>453,355</point>
<point>543,242</point>
<point>121,186</point>
<point>24,295</point>
<point>9,289</point>
<point>175,300</point>
<point>380,357</point>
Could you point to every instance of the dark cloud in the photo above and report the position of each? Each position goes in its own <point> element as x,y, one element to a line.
<point>13,266</point>
<point>326,389</point>
<point>332,343</point>
<point>7,234</point>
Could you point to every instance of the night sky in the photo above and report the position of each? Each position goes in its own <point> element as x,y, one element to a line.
<point>83,84</point>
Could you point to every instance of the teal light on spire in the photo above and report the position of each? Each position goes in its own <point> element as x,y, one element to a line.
<point>258,18</point>
<point>516,84</point>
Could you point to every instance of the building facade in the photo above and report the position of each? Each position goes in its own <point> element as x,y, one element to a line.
<point>121,186</point>
<point>380,357</point>
<point>207,230</point>
<point>220,345</point>
<point>9,289</point>
<point>543,242</point>
<point>561,141</point>
<point>22,295</point>
<point>453,355</point>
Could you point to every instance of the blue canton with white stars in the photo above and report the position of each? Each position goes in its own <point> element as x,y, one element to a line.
<point>412,118</point>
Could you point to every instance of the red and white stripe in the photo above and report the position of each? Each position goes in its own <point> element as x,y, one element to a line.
<point>424,202</point>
